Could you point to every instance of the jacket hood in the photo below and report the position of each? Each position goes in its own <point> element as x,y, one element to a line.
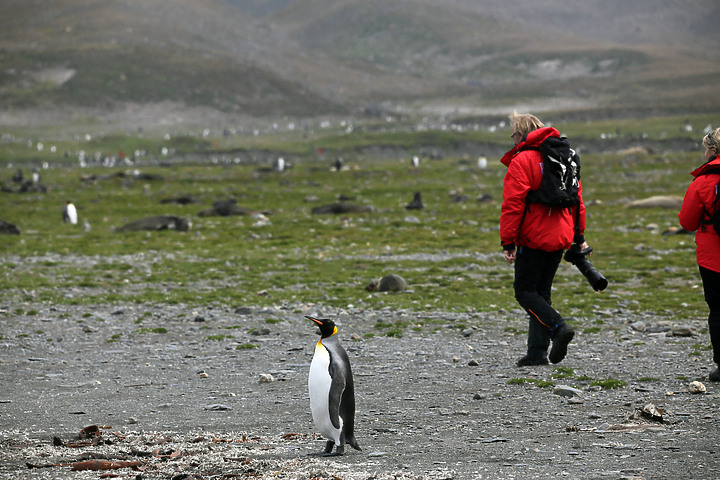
<point>531,140</point>
<point>713,163</point>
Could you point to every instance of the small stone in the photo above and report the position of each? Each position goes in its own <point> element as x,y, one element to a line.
<point>203,375</point>
<point>132,421</point>
<point>473,363</point>
<point>89,329</point>
<point>378,454</point>
<point>638,326</point>
<point>217,407</point>
<point>566,391</point>
<point>266,378</point>
<point>681,332</point>
<point>697,387</point>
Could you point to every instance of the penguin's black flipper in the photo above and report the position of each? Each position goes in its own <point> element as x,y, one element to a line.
<point>337,387</point>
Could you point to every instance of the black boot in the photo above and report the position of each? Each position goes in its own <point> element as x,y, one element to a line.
<point>531,361</point>
<point>561,338</point>
<point>714,375</point>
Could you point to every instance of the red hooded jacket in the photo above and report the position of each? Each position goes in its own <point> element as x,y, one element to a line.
<point>544,228</point>
<point>697,207</point>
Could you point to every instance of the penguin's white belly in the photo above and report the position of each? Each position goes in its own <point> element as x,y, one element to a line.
<point>71,214</point>
<point>319,382</point>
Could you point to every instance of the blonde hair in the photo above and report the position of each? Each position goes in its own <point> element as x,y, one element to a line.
<point>712,139</point>
<point>524,123</point>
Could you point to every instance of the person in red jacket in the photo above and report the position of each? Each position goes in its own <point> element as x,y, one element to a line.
<point>533,237</point>
<point>697,208</point>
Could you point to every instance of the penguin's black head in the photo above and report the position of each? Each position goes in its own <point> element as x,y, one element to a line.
<point>327,326</point>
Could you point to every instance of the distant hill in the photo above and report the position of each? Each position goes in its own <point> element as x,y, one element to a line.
<point>183,60</point>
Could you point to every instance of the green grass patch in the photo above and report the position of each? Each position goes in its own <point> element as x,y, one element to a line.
<point>609,383</point>
<point>450,256</point>
<point>535,381</point>
<point>152,330</point>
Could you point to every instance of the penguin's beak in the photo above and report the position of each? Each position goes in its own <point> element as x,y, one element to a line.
<point>314,320</point>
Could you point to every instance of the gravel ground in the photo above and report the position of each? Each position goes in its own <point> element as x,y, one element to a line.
<point>444,403</point>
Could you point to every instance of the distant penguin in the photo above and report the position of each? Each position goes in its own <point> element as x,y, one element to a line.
<point>417,203</point>
<point>280,164</point>
<point>338,164</point>
<point>415,161</point>
<point>332,391</point>
<point>70,213</point>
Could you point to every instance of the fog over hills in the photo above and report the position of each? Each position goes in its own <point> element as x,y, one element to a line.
<point>214,60</point>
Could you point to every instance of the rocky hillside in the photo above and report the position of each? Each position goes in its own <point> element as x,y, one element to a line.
<point>303,58</point>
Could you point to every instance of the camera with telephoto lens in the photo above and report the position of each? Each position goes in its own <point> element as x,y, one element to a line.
<point>579,258</point>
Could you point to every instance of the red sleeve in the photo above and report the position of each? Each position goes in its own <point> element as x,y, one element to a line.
<point>692,209</point>
<point>516,186</point>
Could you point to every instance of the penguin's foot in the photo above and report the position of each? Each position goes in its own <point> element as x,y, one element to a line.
<point>327,451</point>
<point>340,450</point>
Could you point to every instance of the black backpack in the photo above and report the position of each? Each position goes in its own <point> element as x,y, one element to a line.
<point>714,219</point>
<point>561,174</point>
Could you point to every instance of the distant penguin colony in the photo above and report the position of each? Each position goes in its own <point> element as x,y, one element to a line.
<point>70,213</point>
<point>332,391</point>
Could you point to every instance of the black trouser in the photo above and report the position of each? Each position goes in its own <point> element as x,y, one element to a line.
<point>534,274</point>
<point>711,286</point>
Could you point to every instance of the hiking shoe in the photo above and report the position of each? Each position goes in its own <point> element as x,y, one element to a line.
<point>714,375</point>
<point>528,361</point>
<point>560,342</point>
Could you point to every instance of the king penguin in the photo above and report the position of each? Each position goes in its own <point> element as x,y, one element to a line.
<point>332,390</point>
<point>70,213</point>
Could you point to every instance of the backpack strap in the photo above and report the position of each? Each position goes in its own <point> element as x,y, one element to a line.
<point>714,219</point>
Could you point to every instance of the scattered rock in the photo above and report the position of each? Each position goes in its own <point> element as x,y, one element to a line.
<point>652,412</point>
<point>638,326</point>
<point>566,391</point>
<point>180,200</point>
<point>159,222</point>
<point>697,387</point>
<point>225,208</point>
<point>218,407</point>
<point>7,228</point>
<point>388,283</point>
<point>681,332</point>
<point>659,201</point>
<point>266,378</point>
<point>342,207</point>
